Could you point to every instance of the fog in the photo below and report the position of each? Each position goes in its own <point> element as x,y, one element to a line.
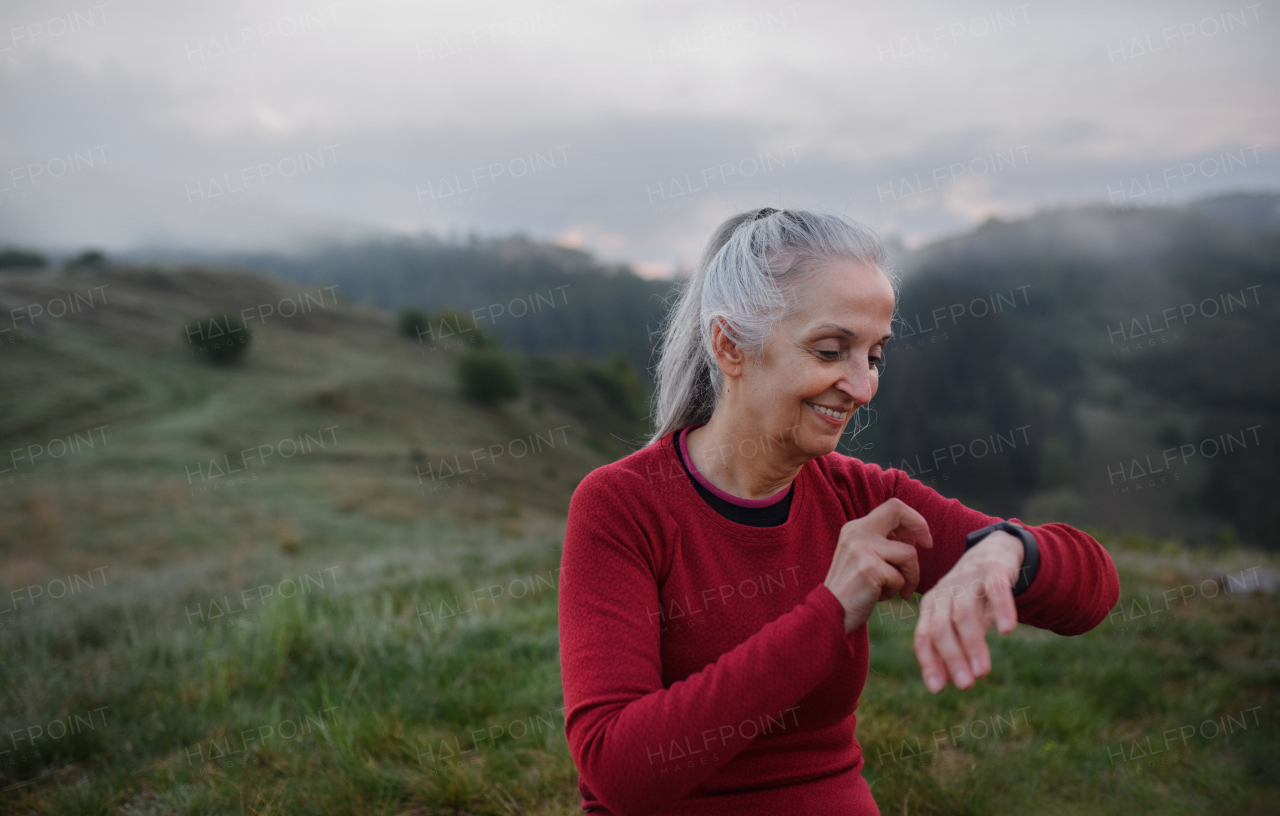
<point>627,129</point>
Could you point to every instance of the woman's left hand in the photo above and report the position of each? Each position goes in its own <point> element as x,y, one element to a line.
<point>951,637</point>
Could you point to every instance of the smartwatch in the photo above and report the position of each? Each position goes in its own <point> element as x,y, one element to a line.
<point>1030,552</point>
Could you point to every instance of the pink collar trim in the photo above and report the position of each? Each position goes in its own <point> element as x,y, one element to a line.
<point>702,480</point>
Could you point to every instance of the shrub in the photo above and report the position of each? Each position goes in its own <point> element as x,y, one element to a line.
<point>413,323</point>
<point>458,327</point>
<point>453,327</point>
<point>89,259</point>
<point>1055,468</point>
<point>219,339</point>
<point>620,386</point>
<point>607,391</point>
<point>488,376</point>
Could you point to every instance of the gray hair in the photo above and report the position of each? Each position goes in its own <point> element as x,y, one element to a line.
<point>745,279</point>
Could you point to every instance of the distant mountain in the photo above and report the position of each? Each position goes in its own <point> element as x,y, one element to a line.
<point>1114,336</point>
<point>538,298</point>
<point>1044,368</point>
<point>1142,236</point>
<point>1245,210</point>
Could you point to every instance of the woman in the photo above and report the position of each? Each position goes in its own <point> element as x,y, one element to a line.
<point>717,583</point>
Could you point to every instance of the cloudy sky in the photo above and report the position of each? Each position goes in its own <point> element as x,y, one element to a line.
<point>627,128</point>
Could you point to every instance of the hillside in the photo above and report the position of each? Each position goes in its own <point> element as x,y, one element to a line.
<point>278,605</point>
<point>1112,338</point>
<point>371,410</point>
<point>599,309</point>
<point>1054,356</point>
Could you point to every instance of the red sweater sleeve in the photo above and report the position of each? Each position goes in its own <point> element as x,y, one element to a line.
<point>618,715</point>
<point>1074,588</point>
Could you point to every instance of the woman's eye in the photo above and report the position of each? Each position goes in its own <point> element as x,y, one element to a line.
<point>828,355</point>
<point>878,364</point>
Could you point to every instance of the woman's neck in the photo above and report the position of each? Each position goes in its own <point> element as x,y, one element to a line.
<point>743,460</point>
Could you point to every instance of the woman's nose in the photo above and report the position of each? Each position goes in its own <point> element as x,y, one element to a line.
<point>857,386</point>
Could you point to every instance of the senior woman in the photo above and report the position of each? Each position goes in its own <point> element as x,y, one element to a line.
<point>717,583</point>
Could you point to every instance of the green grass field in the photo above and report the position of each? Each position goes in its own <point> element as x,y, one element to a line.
<point>328,635</point>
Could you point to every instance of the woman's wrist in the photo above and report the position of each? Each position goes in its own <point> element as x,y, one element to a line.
<point>1002,547</point>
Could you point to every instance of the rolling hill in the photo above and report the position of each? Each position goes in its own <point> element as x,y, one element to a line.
<point>304,583</point>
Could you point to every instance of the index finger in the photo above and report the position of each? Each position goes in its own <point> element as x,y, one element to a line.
<point>1003,607</point>
<point>901,520</point>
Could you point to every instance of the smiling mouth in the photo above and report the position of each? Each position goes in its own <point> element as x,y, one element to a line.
<point>839,416</point>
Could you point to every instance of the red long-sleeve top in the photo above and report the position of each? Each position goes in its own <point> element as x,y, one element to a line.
<point>706,668</point>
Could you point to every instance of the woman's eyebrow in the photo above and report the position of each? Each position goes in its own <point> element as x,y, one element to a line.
<point>845,331</point>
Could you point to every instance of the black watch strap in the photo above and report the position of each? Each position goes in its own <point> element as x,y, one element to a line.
<point>1030,551</point>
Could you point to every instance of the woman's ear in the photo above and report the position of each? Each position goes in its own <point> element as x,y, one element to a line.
<point>729,355</point>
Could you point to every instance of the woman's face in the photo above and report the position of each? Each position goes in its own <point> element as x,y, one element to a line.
<point>821,362</point>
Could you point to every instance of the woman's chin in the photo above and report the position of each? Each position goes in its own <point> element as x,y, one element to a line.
<point>821,441</point>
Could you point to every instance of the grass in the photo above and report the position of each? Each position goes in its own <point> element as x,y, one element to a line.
<point>322,703</point>
<point>1064,723</point>
<point>395,704</point>
<point>366,690</point>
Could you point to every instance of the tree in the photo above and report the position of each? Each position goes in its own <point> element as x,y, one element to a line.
<point>458,328</point>
<point>219,339</point>
<point>20,260</point>
<point>413,323</point>
<point>620,385</point>
<point>89,259</point>
<point>488,376</point>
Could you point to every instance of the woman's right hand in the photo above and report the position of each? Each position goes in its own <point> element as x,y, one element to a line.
<point>876,559</point>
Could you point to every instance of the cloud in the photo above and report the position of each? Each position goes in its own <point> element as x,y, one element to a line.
<point>634,127</point>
